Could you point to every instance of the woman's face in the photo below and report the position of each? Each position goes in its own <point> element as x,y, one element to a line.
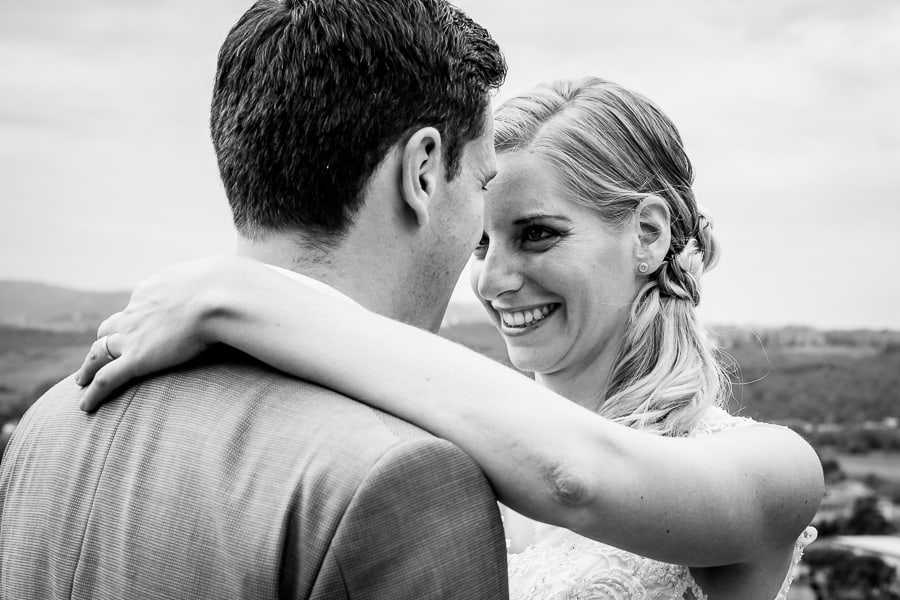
<point>557,282</point>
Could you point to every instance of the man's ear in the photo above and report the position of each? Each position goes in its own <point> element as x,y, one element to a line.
<point>421,171</point>
<point>653,231</point>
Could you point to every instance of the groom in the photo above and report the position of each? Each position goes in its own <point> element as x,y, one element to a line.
<point>354,142</point>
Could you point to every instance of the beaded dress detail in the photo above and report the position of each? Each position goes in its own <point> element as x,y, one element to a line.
<point>563,565</point>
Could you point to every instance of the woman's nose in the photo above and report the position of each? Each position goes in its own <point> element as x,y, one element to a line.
<point>495,275</point>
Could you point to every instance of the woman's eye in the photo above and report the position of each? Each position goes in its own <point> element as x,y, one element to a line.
<point>537,237</point>
<point>482,247</point>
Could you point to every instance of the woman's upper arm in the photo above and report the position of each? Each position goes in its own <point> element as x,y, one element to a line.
<point>725,498</point>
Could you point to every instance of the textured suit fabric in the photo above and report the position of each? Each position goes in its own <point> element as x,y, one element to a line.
<point>226,479</point>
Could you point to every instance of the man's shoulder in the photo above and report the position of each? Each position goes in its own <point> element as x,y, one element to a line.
<point>227,451</point>
<point>229,414</point>
<point>231,399</point>
<point>240,383</point>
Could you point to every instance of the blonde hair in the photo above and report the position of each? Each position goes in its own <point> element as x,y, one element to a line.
<point>614,148</point>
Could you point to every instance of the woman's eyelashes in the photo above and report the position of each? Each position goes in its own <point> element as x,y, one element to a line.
<point>538,238</point>
<point>531,238</point>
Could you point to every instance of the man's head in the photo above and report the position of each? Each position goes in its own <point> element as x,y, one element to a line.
<point>311,94</point>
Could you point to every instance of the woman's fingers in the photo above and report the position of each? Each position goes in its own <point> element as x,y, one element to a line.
<point>103,351</point>
<point>110,325</point>
<point>107,379</point>
<point>157,330</point>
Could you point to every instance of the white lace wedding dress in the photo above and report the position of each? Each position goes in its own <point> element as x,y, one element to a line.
<point>563,565</point>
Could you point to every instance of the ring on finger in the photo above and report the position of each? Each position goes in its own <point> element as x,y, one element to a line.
<point>109,354</point>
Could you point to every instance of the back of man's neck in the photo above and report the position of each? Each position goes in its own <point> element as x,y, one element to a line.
<point>361,282</point>
<point>281,251</point>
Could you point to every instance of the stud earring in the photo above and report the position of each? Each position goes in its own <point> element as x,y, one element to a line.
<point>643,267</point>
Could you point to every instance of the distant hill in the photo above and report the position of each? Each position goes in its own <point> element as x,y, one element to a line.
<point>788,374</point>
<point>34,305</point>
<point>730,337</point>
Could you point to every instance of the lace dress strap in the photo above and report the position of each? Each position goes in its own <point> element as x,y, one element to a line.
<point>716,419</point>
<point>808,536</point>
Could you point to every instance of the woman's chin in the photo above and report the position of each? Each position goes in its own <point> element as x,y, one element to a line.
<point>530,362</point>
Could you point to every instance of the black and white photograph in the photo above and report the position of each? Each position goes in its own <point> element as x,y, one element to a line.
<point>405,299</point>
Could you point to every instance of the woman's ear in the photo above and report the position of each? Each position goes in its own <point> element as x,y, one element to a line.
<point>653,231</point>
<point>421,171</point>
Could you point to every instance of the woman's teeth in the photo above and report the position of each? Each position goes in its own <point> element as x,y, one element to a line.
<point>525,318</point>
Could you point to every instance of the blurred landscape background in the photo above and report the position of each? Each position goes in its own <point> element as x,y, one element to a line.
<point>788,111</point>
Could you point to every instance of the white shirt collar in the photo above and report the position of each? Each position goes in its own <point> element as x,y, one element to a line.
<point>315,284</point>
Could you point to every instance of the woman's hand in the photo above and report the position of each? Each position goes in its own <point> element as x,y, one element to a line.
<point>161,327</point>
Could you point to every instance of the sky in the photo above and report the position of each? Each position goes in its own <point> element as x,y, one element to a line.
<point>788,110</point>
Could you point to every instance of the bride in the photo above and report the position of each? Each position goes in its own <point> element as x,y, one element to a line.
<point>624,475</point>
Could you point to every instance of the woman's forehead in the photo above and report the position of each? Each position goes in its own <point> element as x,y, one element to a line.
<point>525,184</point>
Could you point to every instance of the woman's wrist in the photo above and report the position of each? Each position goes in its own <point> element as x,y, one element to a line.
<point>221,301</point>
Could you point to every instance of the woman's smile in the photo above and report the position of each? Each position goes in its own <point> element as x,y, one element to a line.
<point>518,321</point>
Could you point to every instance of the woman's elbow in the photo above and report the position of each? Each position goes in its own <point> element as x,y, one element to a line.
<point>572,499</point>
<point>814,488</point>
<point>804,494</point>
<point>565,487</point>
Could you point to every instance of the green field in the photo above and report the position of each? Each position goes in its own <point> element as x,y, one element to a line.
<point>884,465</point>
<point>32,360</point>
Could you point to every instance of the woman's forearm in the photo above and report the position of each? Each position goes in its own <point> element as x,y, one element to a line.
<point>505,421</point>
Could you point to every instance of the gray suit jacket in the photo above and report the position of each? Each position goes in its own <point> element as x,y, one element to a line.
<point>226,479</point>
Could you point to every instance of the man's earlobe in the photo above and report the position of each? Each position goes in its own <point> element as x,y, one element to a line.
<point>421,171</point>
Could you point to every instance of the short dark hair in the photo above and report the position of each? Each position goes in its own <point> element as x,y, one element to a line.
<point>311,94</point>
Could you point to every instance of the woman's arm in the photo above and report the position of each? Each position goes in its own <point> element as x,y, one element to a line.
<point>720,499</point>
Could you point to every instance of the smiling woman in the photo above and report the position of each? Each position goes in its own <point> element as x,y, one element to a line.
<point>552,275</point>
<point>593,222</point>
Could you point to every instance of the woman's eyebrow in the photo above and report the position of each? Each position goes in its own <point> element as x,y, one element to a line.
<point>525,219</point>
